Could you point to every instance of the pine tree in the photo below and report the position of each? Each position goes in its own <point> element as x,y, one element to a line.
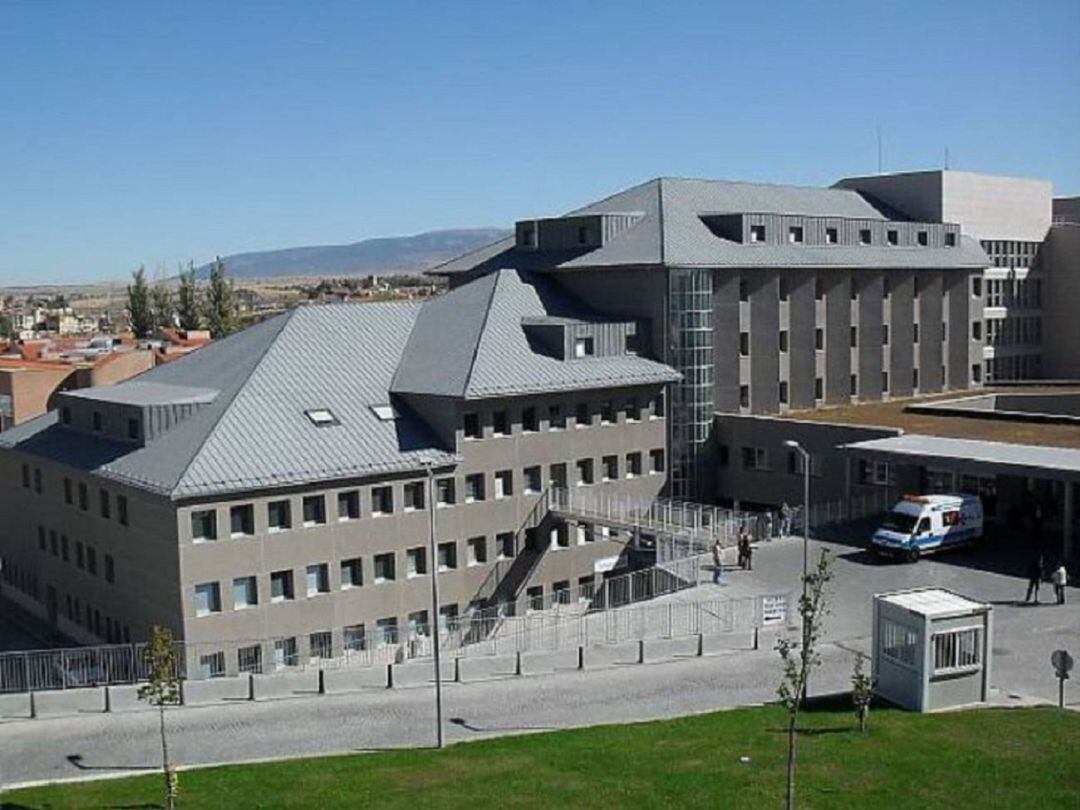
<point>161,305</point>
<point>139,312</point>
<point>188,300</point>
<point>220,307</point>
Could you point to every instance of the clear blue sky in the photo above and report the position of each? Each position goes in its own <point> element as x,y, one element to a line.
<point>147,132</point>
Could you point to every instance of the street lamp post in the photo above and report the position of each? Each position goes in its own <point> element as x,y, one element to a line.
<point>805,455</point>
<point>433,561</point>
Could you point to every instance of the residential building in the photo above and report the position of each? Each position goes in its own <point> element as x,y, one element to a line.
<point>282,482</point>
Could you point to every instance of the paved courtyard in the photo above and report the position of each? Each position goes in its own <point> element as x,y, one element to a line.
<point>613,689</point>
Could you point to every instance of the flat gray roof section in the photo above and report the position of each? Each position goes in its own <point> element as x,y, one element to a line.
<point>139,392</point>
<point>1003,455</point>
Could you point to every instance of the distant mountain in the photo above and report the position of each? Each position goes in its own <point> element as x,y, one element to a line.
<point>386,256</point>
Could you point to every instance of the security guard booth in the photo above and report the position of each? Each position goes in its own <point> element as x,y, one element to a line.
<point>931,649</point>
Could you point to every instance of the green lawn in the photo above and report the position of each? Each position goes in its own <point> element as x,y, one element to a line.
<point>988,758</point>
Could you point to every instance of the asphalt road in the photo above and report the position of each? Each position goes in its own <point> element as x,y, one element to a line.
<point>619,691</point>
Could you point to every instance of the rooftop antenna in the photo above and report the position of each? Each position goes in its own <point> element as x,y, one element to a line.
<point>878,129</point>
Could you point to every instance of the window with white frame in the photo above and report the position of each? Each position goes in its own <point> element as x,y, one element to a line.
<point>386,631</point>
<point>474,487</point>
<point>245,593</point>
<point>318,579</point>
<point>321,645</point>
<point>414,496</point>
<point>384,568</point>
<point>281,585</point>
<point>353,637</point>
<point>352,573</point>
<point>533,480</point>
<point>610,467</point>
<point>583,347</point>
<point>504,484</point>
<point>212,665</point>
<point>445,492</point>
<point>415,562</point>
<point>203,524</point>
<point>314,510</point>
<point>278,516</point>
<point>207,598</point>
<point>633,465</point>
<point>348,505</point>
<point>242,520</point>
<point>447,556</point>
<point>382,500</point>
<point>656,460</point>
<point>504,545</point>
<point>476,550</point>
<point>899,644</point>
<point>957,650</point>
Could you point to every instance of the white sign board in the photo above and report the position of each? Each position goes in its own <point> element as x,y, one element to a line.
<point>773,609</point>
<point>605,564</point>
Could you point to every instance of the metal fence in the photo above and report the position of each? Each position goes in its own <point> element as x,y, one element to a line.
<point>466,637</point>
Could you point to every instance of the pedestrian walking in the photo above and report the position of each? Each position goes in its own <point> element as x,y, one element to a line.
<point>742,550</point>
<point>748,555</point>
<point>785,519</point>
<point>1060,579</point>
<point>718,561</point>
<point>1034,577</point>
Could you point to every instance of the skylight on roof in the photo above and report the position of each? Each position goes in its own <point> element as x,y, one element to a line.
<point>321,417</point>
<point>384,412</point>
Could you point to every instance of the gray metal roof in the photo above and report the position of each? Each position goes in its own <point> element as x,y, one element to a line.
<point>255,434</point>
<point>470,343</point>
<point>672,233</point>
<point>1004,454</point>
<point>141,391</point>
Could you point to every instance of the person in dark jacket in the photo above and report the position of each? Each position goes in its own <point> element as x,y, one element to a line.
<point>1034,577</point>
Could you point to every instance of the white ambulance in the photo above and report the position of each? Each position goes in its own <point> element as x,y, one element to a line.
<point>923,523</point>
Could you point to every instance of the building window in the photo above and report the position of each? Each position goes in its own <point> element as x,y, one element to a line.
<point>504,484</point>
<point>976,373</point>
<point>757,233</point>
<point>854,384</point>
<point>415,562</point>
<point>533,482</point>
<point>607,412</point>
<point>819,388</point>
<point>84,497</point>
<point>318,579</point>
<point>783,392</point>
<point>557,475</point>
<point>500,423</point>
<point>245,593</point>
<point>582,417</point>
<point>585,472</point>
<point>976,330</point>
<point>892,237</point>
<point>530,422</point>
<point>744,290</point>
<point>957,651</point>
<point>819,339</point>
<point>444,492</point>
<point>352,637</point>
<point>203,524</point>
<point>885,382</point>
<point>281,585</point>
<point>831,236</point>
<point>80,556</point>
<point>583,347</point>
<point>923,238</point>
<point>744,344</point>
<point>472,425</point>
<point>321,645</point>
<point>950,240</point>
<point>915,378</point>
<point>633,465</point>
<point>122,509</point>
<point>504,545</point>
<point>476,551</point>
<point>352,573</point>
<point>474,487</point>
<point>915,333</point>
<point>314,510</point>
<point>105,503</point>
<point>633,410</point>
<point>54,543</point>
<point>744,396</point>
<point>656,460</point>
<point>382,501</point>
<point>212,665</point>
<point>386,631</point>
<point>899,644</point>
<point>610,467</point>
<point>384,568</point>
<point>207,598</point>
<point>819,289</point>
<point>279,516</point>
<point>854,336</point>
<point>556,417</point>
<point>884,334</point>
<point>447,556</point>
<point>242,520</point>
<point>448,618</point>
<point>285,654</point>
<point>755,458</point>
<point>865,236</point>
<point>67,491</point>
<point>414,496</point>
<point>783,340</point>
<point>348,505</point>
<point>658,407</point>
<point>110,565</point>
<point>795,234</point>
<point>976,286</point>
<point>91,560</point>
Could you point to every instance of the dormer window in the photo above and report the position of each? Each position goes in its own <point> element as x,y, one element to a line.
<point>757,233</point>
<point>950,240</point>
<point>893,237</point>
<point>321,417</point>
<point>583,347</point>
<point>865,237</point>
<point>795,234</point>
<point>831,236</point>
<point>923,238</point>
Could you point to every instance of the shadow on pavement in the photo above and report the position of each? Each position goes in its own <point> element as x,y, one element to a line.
<point>463,723</point>
<point>77,761</point>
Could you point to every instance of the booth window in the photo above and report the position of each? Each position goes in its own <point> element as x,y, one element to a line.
<point>898,643</point>
<point>957,651</point>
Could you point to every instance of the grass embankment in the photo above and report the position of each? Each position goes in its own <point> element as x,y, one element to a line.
<point>989,758</point>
